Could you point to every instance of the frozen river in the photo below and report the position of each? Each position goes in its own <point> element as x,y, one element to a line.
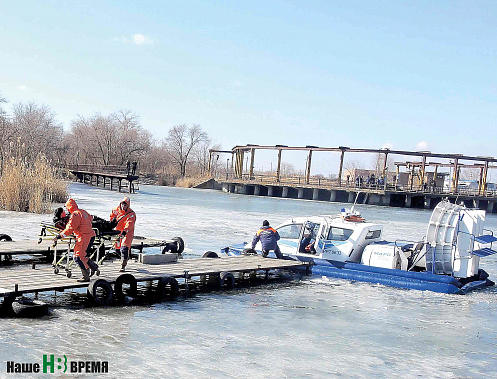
<point>309,328</point>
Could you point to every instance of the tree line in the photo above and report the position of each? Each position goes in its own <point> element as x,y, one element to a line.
<point>31,129</point>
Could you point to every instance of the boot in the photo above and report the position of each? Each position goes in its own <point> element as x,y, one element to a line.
<point>123,265</point>
<point>86,275</point>
<point>93,267</point>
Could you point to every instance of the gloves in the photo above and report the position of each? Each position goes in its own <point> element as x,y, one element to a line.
<point>123,233</point>
<point>57,237</point>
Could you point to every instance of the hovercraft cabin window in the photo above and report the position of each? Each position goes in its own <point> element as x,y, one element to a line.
<point>339,234</point>
<point>373,234</point>
<point>290,231</point>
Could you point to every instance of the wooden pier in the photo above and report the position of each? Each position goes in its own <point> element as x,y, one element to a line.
<point>22,280</point>
<point>101,175</point>
<point>394,197</point>
<point>417,183</point>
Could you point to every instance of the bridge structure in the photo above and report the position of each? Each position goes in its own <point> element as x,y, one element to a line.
<point>417,181</point>
<point>115,177</point>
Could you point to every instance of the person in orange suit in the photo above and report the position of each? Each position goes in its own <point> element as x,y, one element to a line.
<point>79,224</point>
<point>126,218</point>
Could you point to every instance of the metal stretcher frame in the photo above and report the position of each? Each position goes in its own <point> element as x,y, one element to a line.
<point>49,231</point>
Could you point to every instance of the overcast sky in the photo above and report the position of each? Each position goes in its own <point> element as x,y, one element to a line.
<point>413,75</point>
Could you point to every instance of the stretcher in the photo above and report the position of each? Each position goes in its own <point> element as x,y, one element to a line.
<point>66,259</point>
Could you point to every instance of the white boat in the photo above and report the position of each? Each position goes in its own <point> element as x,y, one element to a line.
<point>346,246</point>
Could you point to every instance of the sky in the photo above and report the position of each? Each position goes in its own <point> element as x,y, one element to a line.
<point>408,75</point>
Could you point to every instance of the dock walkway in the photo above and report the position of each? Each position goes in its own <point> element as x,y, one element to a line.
<point>18,281</point>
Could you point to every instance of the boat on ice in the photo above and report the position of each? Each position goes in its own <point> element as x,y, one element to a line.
<point>347,246</point>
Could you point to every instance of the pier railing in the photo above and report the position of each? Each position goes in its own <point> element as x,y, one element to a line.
<point>326,183</point>
<point>104,169</point>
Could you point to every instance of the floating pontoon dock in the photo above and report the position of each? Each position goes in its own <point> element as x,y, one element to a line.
<point>23,280</point>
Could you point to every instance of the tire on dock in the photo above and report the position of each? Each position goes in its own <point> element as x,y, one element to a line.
<point>180,245</point>
<point>100,292</point>
<point>120,292</point>
<point>5,237</point>
<point>28,308</point>
<point>167,288</point>
<point>249,252</point>
<point>210,254</point>
<point>176,247</point>
<point>226,280</point>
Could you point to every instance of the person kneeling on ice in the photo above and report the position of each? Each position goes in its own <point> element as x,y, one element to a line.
<point>126,219</point>
<point>268,237</point>
<point>79,224</point>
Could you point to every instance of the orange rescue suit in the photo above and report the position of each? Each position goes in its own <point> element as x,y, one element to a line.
<point>79,224</point>
<point>125,222</point>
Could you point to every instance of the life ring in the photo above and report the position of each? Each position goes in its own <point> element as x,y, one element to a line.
<point>5,237</point>
<point>226,280</point>
<point>354,218</point>
<point>29,308</point>
<point>100,292</point>
<point>167,288</point>
<point>210,254</point>
<point>119,292</point>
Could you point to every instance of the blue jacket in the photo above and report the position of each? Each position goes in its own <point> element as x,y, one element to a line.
<point>268,237</point>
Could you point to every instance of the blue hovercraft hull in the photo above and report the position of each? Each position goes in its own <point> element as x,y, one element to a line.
<point>423,281</point>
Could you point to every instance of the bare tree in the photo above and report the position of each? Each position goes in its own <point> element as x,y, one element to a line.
<point>94,139</point>
<point>2,100</point>
<point>109,140</point>
<point>6,133</point>
<point>200,154</point>
<point>180,143</point>
<point>37,129</point>
<point>287,169</point>
<point>350,168</point>
<point>133,140</point>
<point>154,160</point>
<point>378,163</point>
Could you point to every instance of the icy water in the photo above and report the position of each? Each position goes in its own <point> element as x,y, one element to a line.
<point>308,328</point>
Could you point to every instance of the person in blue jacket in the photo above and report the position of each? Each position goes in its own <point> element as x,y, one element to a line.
<point>268,237</point>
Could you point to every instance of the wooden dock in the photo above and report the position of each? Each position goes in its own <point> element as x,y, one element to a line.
<point>23,280</point>
<point>99,175</point>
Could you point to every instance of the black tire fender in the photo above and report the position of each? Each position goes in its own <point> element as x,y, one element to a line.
<point>167,288</point>
<point>226,280</point>
<point>29,308</point>
<point>180,244</point>
<point>118,286</point>
<point>169,248</point>
<point>100,299</point>
<point>5,237</point>
<point>176,247</point>
<point>210,254</point>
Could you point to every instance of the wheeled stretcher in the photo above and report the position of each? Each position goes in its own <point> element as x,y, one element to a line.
<point>66,259</point>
